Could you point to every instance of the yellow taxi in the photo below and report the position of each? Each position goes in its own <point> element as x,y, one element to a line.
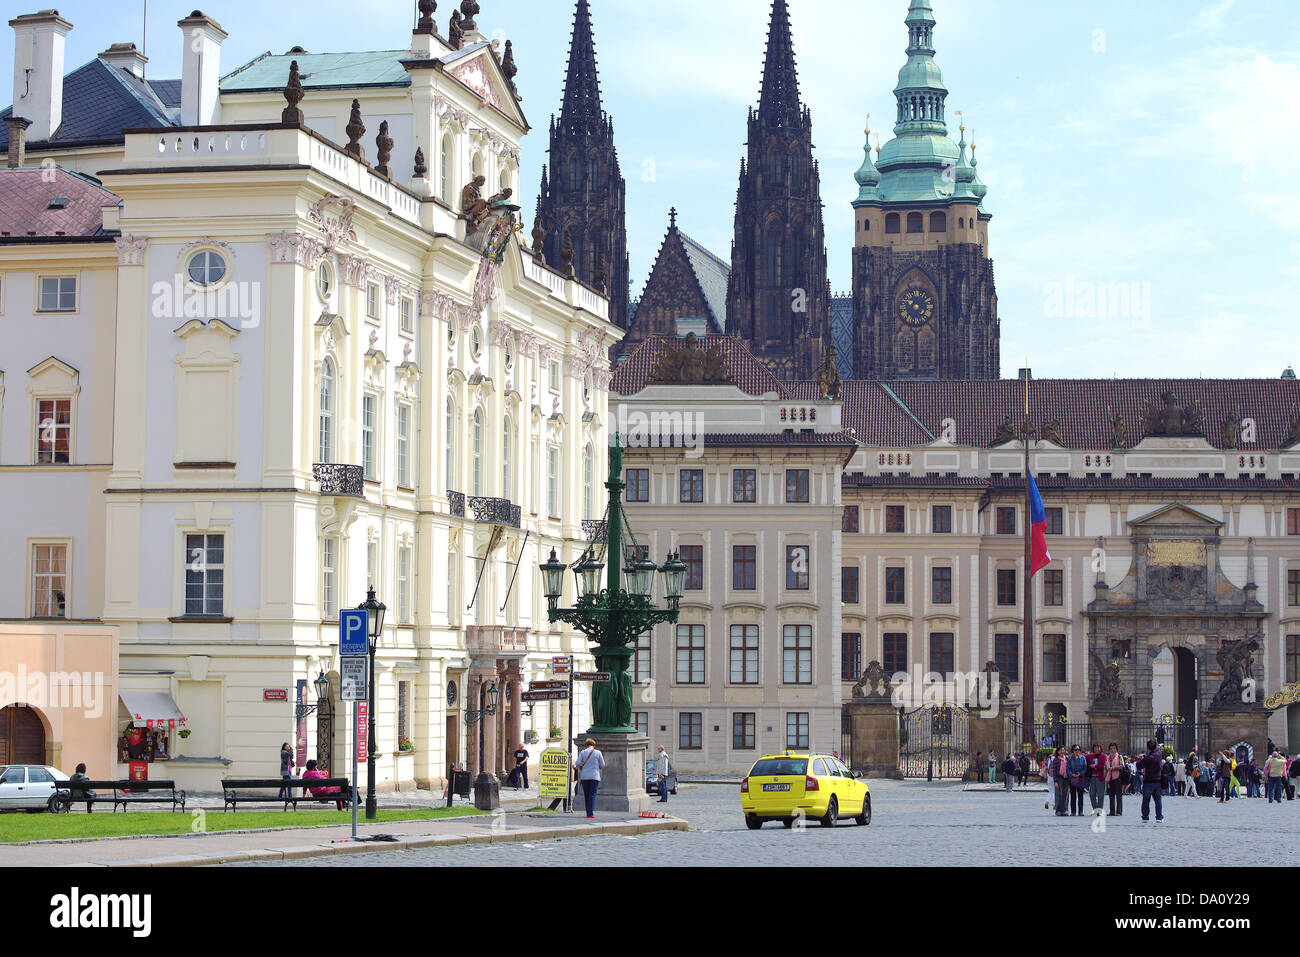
<point>785,787</point>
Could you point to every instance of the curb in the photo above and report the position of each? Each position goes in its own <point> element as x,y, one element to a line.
<point>413,843</point>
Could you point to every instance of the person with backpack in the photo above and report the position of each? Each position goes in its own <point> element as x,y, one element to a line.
<point>1151,767</point>
<point>1059,765</point>
<point>1096,777</point>
<point>1009,773</point>
<point>1116,780</point>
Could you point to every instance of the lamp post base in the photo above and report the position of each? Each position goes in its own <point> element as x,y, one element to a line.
<point>487,792</point>
<point>622,786</point>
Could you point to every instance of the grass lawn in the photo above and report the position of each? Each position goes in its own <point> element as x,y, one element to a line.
<point>104,823</point>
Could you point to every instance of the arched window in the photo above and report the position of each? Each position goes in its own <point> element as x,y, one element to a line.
<point>586,481</point>
<point>449,446</point>
<point>444,168</point>
<point>925,361</point>
<point>477,480</point>
<point>905,353</point>
<point>476,165</point>
<point>326,412</point>
<point>915,223</point>
<point>892,223</point>
<point>961,222</point>
<point>938,222</point>
<point>506,491</point>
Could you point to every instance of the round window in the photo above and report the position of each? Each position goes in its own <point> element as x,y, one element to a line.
<point>451,334</point>
<point>324,280</point>
<point>476,342</point>
<point>451,692</point>
<point>510,354</point>
<point>207,268</point>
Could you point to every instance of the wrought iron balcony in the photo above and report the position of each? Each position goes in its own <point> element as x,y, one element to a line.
<point>456,502</point>
<point>347,481</point>
<point>496,511</point>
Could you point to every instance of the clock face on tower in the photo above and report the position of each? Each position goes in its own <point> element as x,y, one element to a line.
<point>916,308</point>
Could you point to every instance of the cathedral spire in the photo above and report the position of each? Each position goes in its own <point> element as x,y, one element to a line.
<point>581,107</point>
<point>920,92</point>
<point>779,101</point>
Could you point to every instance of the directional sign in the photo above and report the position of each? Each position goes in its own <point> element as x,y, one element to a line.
<point>354,633</point>
<point>363,731</point>
<point>352,676</point>
<point>597,676</point>
<point>561,664</point>
<point>548,686</point>
<point>535,696</point>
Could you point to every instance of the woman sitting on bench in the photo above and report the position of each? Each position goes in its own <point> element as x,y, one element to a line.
<point>315,774</point>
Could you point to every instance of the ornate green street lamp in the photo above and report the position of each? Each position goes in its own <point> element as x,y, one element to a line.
<point>613,617</point>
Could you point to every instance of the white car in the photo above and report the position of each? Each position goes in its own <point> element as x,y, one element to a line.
<point>28,787</point>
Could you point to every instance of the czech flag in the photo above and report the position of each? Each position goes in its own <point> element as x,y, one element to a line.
<point>1038,530</point>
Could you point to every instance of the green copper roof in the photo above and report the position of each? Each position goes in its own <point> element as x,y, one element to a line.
<point>320,71</point>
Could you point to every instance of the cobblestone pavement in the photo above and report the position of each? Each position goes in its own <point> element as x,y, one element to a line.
<point>913,824</point>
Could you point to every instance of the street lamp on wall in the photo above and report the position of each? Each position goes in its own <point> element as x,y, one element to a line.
<point>322,686</point>
<point>484,784</point>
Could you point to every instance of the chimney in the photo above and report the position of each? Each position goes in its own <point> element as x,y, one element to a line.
<point>1026,375</point>
<point>39,40</point>
<point>201,70</point>
<point>125,56</point>
<point>17,140</point>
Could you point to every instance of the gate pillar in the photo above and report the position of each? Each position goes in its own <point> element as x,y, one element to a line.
<point>874,724</point>
<point>988,732</point>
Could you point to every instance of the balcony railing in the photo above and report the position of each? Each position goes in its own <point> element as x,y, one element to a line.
<point>456,503</point>
<point>347,481</point>
<point>496,511</point>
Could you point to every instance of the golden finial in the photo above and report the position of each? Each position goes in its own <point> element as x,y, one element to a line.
<point>961,123</point>
<point>868,128</point>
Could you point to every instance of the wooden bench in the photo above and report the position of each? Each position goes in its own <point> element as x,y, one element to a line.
<point>234,792</point>
<point>123,793</point>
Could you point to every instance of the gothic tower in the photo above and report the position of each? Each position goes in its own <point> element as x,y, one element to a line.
<point>582,190</point>
<point>924,297</point>
<point>778,298</point>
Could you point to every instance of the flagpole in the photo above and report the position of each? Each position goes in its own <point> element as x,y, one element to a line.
<point>1027,676</point>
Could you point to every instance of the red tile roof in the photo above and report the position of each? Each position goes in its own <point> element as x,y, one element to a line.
<point>31,204</point>
<point>749,375</point>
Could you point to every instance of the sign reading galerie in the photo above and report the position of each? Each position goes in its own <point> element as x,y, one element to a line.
<point>553,778</point>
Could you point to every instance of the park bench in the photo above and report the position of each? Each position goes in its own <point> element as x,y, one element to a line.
<point>123,793</point>
<point>235,792</point>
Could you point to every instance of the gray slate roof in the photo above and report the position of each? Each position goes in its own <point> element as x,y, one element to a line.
<point>713,275</point>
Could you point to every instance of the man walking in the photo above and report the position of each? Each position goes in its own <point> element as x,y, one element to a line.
<point>1151,767</point>
<point>520,771</point>
<point>662,764</point>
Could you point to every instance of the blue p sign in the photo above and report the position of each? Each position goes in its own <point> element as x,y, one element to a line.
<point>354,633</point>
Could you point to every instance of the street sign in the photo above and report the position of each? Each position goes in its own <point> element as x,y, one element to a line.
<point>535,696</point>
<point>354,632</point>
<point>363,731</point>
<point>548,685</point>
<point>561,664</point>
<point>598,676</point>
<point>275,694</point>
<point>352,676</point>
<point>553,776</point>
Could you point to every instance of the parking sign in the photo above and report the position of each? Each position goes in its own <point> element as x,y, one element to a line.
<point>354,633</point>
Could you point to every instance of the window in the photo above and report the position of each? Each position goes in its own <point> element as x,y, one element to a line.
<point>444,170</point>
<point>1006,521</point>
<point>941,585</point>
<point>693,558</point>
<point>403,712</point>
<point>507,430</point>
<point>404,446</point>
<point>744,486</point>
<point>553,482</point>
<point>329,583</point>
<point>743,728</point>
<point>895,586</point>
<point>691,486</point>
<point>1054,659</point>
<point>638,485</point>
<point>915,223</point>
<point>744,654</point>
<point>58,294</point>
<point>744,567</point>
<point>372,300</point>
<point>796,567</point>
<point>1293,521</point>
<point>448,445</point>
<point>372,565</point>
<point>938,222</point>
<point>586,482</point>
<point>895,519</point>
<point>404,585</point>
<point>690,731</point>
<point>641,660</point>
<point>640,721</point>
<point>476,473</point>
<point>205,582</point>
<point>1054,588</point>
<point>1006,656</point>
<point>849,585</point>
<point>326,449</point>
<point>1055,521</point>
<point>206,268</point>
<point>796,655</point>
<point>796,486</point>
<point>796,731</point>
<point>941,654</point>
<point>1293,587</point>
<point>53,431</point>
<point>407,321</point>
<point>892,223</point>
<point>368,435</point>
<point>1292,659</point>
<point>690,654</point>
<point>941,519</point>
<point>895,654</point>
<point>851,523</point>
<point>49,581</point>
<point>324,280</point>
<point>850,657</point>
<point>553,374</point>
<point>1006,579</point>
<point>475,342</point>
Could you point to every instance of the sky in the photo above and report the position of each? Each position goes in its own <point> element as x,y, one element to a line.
<point>1141,159</point>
